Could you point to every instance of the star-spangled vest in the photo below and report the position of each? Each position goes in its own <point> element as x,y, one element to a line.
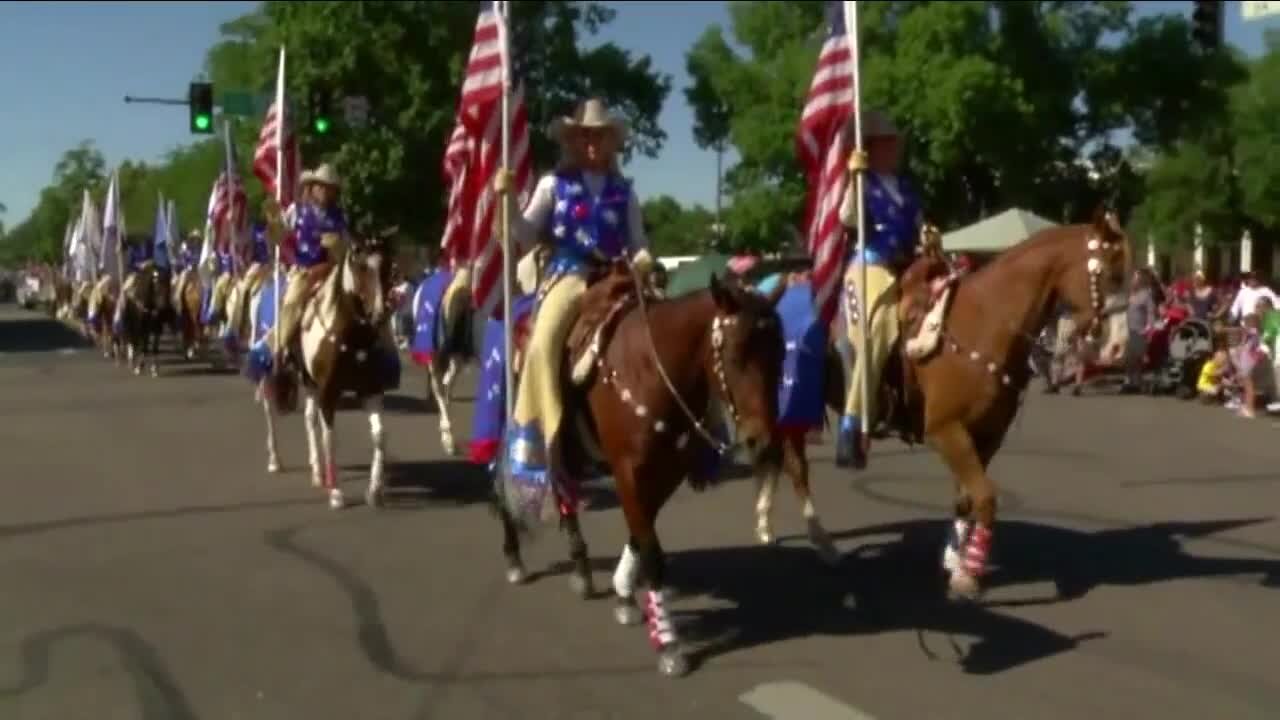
<point>260,250</point>
<point>892,227</point>
<point>139,253</point>
<point>312,222</point>
<point>586,229</point>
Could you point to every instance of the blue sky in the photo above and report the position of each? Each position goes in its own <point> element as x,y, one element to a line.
<point>75,62</point>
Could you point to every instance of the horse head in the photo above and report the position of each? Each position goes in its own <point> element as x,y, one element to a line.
<point>1096,266</point>
<point>366,275</point>
<point>746,359</point>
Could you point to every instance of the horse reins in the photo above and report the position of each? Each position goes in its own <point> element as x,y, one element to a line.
<point>717,342</point>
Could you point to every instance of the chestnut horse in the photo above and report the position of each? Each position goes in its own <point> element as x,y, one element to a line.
<point>650,397</point>
<point>962,394</point>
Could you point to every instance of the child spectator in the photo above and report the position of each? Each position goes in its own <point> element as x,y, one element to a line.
<point>1211,384</point>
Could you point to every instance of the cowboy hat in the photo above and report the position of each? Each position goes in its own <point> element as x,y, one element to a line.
<point>591,113</point>
<point>325,175</point>
<point>875,124</point>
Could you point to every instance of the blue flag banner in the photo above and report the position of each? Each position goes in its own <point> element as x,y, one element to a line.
<point>800,395</point>
<point>490,403</point>
<point>426,314</point>
<point>259,361</point>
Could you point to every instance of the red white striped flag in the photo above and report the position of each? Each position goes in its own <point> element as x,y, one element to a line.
<point>227,201</point>
<point>824,153</point>
<point>264,156</point>
<point>472,160</point>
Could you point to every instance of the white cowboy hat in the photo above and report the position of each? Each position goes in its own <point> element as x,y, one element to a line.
<point>325,175</point>
<point>591,113</point>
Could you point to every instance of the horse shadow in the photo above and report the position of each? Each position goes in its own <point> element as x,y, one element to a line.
<point>783,592</point>
<point>434,483</point>
<point>39,335</point>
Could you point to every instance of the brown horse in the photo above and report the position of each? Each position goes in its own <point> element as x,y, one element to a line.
<point>186,300</point>
<point>341,326</point>
<point>962,395</point>
<point>650,398</point>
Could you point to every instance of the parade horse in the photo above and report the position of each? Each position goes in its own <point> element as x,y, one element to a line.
<point>339,333</point>
<point>100,314</point>
<point>641,401</point>
<point>146,313</point>
<point>444,341</point>
<point>187,304</point>
<point>961,374</point>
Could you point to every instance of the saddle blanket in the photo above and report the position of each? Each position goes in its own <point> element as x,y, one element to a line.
<point>259,361</point>
<point>426,316</point>
<point>488,419</point>
<point>800,394</point>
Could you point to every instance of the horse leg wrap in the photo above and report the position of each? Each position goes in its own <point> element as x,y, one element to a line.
<point>662,632</point>
<point>624,576</point>
<point>957,537</point>
<point>976,550</point>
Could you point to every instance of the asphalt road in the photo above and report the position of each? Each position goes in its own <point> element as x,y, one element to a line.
<point>150,568</point>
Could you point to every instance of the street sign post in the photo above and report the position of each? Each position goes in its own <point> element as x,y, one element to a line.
<point>355,110</point>
<point>238,103</point>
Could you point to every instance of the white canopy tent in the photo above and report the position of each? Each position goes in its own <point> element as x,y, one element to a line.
<point>996,233</point>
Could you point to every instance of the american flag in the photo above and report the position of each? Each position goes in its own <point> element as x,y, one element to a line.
<point>824,153</point>
<point>472,160</point>
<point>227,201</point>
<point>264,157</point>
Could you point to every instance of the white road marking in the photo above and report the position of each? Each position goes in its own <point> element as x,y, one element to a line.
<point>796,701</point>
<point>68,351</point>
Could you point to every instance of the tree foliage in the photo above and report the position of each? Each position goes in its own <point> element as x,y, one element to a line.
<point>407,59</point>
<point>676,230</point>
<point>1002,103</point>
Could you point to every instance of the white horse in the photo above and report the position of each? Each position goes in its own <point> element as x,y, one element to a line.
<point>341,324</point>
<point>460,348</point>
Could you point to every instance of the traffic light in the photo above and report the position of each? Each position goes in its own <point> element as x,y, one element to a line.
<point>200,96</point>
<point>1206,23</point>
<point>321,116</point>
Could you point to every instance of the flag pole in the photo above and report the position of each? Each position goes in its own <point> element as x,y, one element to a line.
<point>508,326</point>
<point>864,312</point>
<point>119,221</point>
<point>281,118</point>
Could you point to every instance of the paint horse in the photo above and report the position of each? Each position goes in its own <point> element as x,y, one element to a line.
<point>341,324</point>
<point>100,318</point>
<point>966,366</point>
<point>444,343</point>
<point>641,401</point>
<point>187,297</point>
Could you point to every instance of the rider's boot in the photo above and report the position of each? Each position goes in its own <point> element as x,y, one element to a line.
<point>851,450</point>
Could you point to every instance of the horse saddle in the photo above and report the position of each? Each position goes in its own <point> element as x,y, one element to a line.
<point>610,293</point>
<point>927,288</point>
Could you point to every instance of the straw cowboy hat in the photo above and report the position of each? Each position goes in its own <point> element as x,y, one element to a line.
<point>325,175</point>
<point>591,113</point>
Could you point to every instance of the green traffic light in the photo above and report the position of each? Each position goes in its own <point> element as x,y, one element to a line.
<point>202,122</point>
<point>322,125</point>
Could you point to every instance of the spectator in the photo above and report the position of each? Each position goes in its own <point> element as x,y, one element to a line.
<point>1140,317</point>
<point>1246,301</point>
<point>1248,355</point>
<point>1202,299</point>
<point>1211,384</point>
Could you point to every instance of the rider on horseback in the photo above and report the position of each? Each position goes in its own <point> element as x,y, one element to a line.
<point>590,214</point>
<point>320,226</point>
<point>894,223</point>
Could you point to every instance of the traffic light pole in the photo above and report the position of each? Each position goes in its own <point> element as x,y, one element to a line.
<point>155,101</point>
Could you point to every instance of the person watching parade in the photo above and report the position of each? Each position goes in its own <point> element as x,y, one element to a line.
<point>894,221</point>
<point>590,214</point>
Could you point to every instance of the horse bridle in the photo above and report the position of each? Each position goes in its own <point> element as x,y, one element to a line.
<point>718,325</point>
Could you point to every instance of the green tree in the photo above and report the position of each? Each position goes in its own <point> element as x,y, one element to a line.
<point>408,61</point>
<point>674,229</point>
<point>1000,102</point>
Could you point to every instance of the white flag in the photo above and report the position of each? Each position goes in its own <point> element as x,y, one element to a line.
<point>1255,9</point>
<point>112,230</point>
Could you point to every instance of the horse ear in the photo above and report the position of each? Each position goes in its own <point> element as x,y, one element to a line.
<point>1099,220</point>
<point>722,295</point>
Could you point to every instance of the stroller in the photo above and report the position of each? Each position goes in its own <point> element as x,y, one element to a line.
<point>1177,347</point>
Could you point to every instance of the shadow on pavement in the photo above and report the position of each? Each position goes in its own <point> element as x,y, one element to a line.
<point>34,333</point>
<point>783,592</point>
<point>157,691</point>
